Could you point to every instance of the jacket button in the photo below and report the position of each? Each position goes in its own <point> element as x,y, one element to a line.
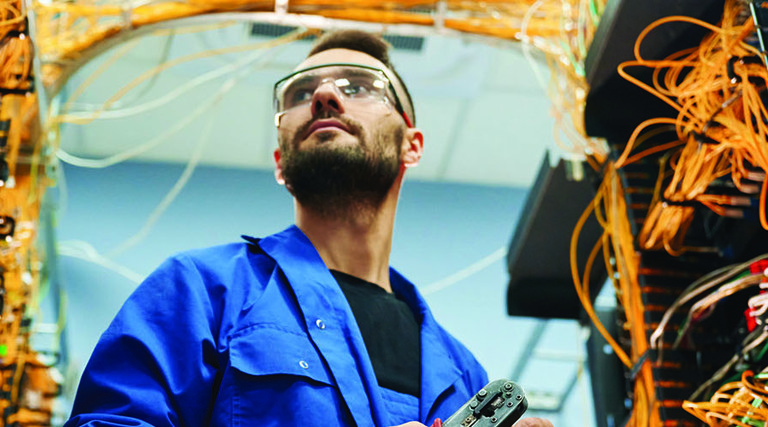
<point>320,324</point>
<point>304,364</point>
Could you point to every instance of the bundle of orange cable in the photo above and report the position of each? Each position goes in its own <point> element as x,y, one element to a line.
<point>21,188</point>
<point>721,123</point>
<point>70,32</point>
<point>617,243</point>
<point>742,403</point>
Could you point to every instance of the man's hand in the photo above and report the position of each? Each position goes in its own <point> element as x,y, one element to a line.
<point>525,422</point>
<point>533,422</point>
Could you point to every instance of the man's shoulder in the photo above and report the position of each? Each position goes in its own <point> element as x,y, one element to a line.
<point>217,252</point>
<point>219,260</point>
<point>250,261</point>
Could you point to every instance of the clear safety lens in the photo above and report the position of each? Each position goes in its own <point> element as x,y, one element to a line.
<point>353,82</point>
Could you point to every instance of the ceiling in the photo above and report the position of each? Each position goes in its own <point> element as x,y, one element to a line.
<point>485,117</point>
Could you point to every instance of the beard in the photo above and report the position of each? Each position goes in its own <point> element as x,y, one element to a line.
<point>336,181</point>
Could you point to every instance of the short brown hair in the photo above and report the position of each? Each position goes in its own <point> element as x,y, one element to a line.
<point>370,44</point>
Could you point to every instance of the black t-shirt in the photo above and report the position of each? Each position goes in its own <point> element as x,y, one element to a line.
<point>390,332</point>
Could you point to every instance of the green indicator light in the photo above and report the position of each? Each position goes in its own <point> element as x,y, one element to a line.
<point>3,350</point>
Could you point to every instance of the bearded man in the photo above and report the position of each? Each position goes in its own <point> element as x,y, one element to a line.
<point>309,326</point>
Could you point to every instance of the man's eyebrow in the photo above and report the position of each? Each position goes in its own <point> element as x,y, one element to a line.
<point>359,72</point>
<point>302,80</point>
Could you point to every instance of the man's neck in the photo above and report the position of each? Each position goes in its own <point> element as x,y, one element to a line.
<point>358,244</point>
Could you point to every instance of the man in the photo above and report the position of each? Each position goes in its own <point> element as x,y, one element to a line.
<point>309,326</point>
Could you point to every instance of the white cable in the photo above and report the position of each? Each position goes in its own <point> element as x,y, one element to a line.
<point>701,285</point>
<point>185,176</point>
<point>170,96</point>
<point>527,43</point>
<point>465,272</point>
<point>135,151</point>
<point>150,86</point>
<point>90,109</point>
<point>62,202</point>
<point>85,251</point>
<point>193,162</point>
<point>177,187</point>
<point>758,304</point>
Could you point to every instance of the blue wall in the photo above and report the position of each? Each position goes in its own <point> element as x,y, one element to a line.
<point>440,229</point>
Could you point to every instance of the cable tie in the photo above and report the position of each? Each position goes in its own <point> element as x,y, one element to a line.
<point>638,365</point>
<point>441,12</point>
<point>683,203</point>
<point>711,123</point>
<point>703,139</point>
<point>281,7</point>
<point>126,13</point>
<point>743,60</point>
<point>13,34</point>
<point>731,71</point>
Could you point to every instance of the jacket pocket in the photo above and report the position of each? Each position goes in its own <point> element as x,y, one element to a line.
<point>278,378</point>
<point>268,350</point>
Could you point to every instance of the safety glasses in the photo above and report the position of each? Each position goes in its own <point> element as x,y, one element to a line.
<point>355,83</point>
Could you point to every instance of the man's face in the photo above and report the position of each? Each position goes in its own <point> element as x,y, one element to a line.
<point>335,152</point>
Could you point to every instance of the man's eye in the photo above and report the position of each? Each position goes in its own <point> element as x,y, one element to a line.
<point>354,89</point>
<point>300,96</point>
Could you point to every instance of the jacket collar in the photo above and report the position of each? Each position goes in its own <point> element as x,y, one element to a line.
<point>317,292</point>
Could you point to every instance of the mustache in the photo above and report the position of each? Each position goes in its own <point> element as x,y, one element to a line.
<point>355,127</point>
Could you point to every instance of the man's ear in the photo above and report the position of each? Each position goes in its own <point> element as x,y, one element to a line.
<point>413,147</point>
<point>278,167</point>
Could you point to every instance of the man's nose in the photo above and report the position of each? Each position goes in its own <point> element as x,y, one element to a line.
<point>327,97</point>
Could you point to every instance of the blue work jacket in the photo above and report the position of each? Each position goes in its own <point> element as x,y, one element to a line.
<point>256,334</point>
